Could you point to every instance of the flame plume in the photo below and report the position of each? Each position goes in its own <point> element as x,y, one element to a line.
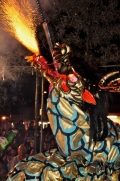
<point>19,19</point>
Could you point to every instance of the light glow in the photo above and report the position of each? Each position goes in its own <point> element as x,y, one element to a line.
<point>3,117</point>
<point>112,116</point>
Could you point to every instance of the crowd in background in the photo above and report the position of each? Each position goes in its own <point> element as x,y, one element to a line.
<point>23,144</point>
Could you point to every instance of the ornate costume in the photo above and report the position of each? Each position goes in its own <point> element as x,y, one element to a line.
<point>85,153</point>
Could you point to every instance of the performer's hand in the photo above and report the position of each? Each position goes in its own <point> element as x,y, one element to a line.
<point>30,59</point>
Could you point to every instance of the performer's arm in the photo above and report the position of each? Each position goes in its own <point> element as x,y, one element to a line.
<point>67,81</point>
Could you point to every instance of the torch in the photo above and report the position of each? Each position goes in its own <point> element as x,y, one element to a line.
<point>46,30</point>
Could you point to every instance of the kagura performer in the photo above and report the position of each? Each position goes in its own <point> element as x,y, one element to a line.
<point>88,142</point>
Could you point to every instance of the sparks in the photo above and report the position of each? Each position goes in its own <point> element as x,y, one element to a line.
<point>19,20</point>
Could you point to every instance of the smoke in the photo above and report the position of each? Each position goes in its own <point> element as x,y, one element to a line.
<point>7,43</point>
<point>9,46</point>
<point>47,6</point>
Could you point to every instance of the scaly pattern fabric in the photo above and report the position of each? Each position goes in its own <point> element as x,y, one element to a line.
<point>75,160</point>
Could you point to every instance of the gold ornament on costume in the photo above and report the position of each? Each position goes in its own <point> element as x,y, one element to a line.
<point>61,52</point>
<point>112,85</point>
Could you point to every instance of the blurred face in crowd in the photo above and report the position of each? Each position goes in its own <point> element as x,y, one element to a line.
<point>45,146</point>
<point>32,124</point>
<point>22,151</point>
<point>13,152</point>
<point>32,143</point>
<point>9,157</point>
<point>3,133</point>
<point>1,153</point>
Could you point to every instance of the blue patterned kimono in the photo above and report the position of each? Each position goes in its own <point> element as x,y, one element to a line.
<point>75,159</point>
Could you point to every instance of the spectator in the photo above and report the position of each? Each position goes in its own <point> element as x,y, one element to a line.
<point>20,126</point>
<point>8,160</point>
<point>27,145</point>
<point>31,136</point>
<point>45,146</point>
<point>3,132</point>
<point>31,127</point>
<point>14,143</point>
<point>3,170</point>
<point>17,124</point>
<point>1,154</point>
<point>7,126</point>
<point>53,143</point>
<point>13,153</point>
<point>26,136</point>
<point>20,138</point>
<point>21,155</point>
<point>47,134</point>
<point>10,154</point>
<point>31,150</point>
